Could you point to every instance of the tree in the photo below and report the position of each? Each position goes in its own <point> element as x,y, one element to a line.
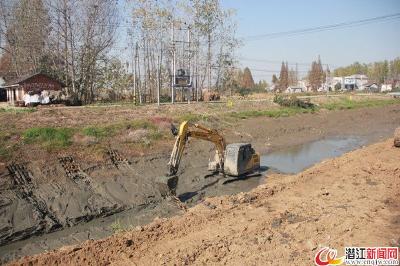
<point>283,77</point>
<point>83,33</point>
<point>293,77</point>
<point>74,40</point>
<point>275,80</point>
<point>355,68</point>
<point>247,79</point>
<point>262,85</point>
<point>394,69</point>
<point>316,76</point>
<point>377,71</point>
<point>26,33</point>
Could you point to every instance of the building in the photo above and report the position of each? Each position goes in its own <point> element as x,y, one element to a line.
<point>292,89</point>
<point>3,92</point>
<point>372,87</point>
<point>33,89</point>
<point>355,82</point>
<point>337,83</point>
<point>304,84</point>
<point>386,87</point>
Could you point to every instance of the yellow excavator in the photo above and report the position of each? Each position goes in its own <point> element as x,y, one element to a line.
<point>237,159</point>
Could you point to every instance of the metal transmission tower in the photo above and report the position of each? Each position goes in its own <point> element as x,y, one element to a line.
<point>181,65</point>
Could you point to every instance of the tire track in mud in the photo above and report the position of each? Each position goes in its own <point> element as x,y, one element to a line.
<point>23,186</point>
<point>74,196</point>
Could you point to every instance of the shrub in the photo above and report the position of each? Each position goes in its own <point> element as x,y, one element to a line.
<point>292,101</point>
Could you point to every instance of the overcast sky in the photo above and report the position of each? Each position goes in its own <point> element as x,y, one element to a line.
<point>366,43</point>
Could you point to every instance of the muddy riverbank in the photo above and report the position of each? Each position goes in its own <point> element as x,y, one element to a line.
<point>347,201</point>
<point>82,200</point>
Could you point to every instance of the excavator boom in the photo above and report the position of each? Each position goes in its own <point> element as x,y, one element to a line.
<point>187,130</point>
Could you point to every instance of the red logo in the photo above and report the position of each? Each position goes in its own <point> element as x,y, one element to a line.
<point>327,256</point>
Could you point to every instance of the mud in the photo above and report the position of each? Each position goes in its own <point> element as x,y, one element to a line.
<point>347,201</point>
<point>41,197</point>
<point>51,203</point>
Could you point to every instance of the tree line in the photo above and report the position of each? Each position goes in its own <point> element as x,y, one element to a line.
<point>316,76</point>
<point>76,41</point>
<point>379,72</point>
<point>287,77</point>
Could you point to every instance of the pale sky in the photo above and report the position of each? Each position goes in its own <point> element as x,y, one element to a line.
<point>337,47</point>
<point>366,43</point>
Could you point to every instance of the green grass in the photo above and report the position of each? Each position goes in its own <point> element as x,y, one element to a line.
<point>346,103</point>
<point>17,110</point>
<point>193,117</point>
<point>281,112</point>
<point>117,227</point>
<point>141,124</point>
<point>99,131</point>
<point>113,129</point>
<point>49,137</point>
<point>4,151</point>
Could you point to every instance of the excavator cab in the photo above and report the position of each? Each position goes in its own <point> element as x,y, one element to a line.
<point>240,159</point>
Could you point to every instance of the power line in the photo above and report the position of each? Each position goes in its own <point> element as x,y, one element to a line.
<point>272,71</point>
<point>322,28</point>
<point>280,62</point>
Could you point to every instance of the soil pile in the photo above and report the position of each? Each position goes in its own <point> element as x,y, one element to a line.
<point>397,137</point>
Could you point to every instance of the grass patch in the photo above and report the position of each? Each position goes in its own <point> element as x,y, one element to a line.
<point>49,137</point>
<point>281,112</point>
<point>117,227</point>
<point>99,132</point>
<point>17,110</point>
<point>346,103</point>
<point>4,151</point>
<point>193,117</point>
<point>141,124</point>
<point>111,130</point>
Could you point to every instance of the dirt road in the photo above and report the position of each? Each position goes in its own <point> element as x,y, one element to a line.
<point>352,200</point>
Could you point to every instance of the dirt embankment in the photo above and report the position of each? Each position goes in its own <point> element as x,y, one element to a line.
<point>352,200</point>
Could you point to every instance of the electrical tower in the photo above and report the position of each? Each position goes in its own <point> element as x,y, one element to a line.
<point>181,64</point>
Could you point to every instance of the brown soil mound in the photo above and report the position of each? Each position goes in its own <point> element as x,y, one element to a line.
<point>348,201</point>
<point>397,137</point>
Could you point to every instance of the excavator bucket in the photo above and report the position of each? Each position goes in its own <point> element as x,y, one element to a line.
<point>167,185</point>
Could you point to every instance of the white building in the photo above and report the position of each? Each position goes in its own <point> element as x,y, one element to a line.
<point>386,87</point>
<point>355,82</point>
<point>292,89</point>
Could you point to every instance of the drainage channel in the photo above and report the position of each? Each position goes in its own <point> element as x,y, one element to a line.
<point>295,159</point>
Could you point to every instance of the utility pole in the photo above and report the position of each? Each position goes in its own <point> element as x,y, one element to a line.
<point>190,67</point>
<point>173,61</point>
<point>134,72</point>
<point>159,60</point>
<point>181,66</point>
<point>139,82</point>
